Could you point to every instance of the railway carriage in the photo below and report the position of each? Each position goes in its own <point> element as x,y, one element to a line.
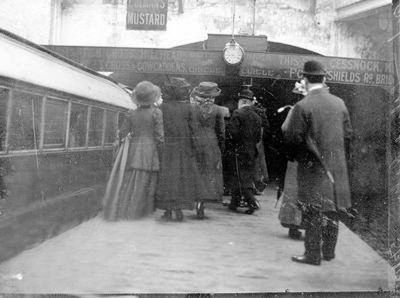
<point>58,123</point>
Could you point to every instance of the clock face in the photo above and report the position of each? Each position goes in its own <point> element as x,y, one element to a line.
<point>233,54</point>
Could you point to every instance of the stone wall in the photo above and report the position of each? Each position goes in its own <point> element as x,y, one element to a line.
<point>304,23</point>
<point>310,24</point>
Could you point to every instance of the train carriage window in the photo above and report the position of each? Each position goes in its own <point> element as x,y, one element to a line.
<point>4,93</point>
<point>121,119</point>
<point>77,125</point>
<point>111,127</point>
<point>24,131</point>
<point>96,127</point>
<point>55,123</point>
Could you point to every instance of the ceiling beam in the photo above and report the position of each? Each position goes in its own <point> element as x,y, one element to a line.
<point>360,9</point>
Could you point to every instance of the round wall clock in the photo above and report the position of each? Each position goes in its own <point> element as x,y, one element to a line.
<point>233,53</point>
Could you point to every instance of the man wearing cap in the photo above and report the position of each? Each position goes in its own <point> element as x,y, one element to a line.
<point>319,129</point>
<point>244,129</point>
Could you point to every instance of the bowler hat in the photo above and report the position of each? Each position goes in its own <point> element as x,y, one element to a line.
<point>145,93</point>
<point>313,68</point>
<point>246,93</point>
<point>177,82</point>
<point>207,89</point>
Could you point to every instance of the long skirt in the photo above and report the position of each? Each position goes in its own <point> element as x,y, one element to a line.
<point>290,214</point>
<point>136,197</point>
<point>130,192</point>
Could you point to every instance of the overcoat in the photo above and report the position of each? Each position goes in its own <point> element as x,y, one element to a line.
<point>209,144</point>
<point>322,120</point>
<point>180,183</point>
<point>244,129</point>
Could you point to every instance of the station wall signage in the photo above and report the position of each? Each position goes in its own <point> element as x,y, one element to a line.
<point>147,15</point>
<point>257,65</point>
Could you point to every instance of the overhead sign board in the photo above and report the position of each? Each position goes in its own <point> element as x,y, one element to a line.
<point>257,65</point>
<point>147,15</point>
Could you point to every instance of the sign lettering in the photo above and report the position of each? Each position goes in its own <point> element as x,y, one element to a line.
<point>147,14</point>
<point>199,62</point>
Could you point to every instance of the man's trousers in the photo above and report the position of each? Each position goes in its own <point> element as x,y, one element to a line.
<point>320,227</point>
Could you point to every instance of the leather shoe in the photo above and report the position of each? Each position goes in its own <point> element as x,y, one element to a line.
<point>167,215</point>
<point>232,208</point>
<point>250,211</point>
<point>328,258</point>
<point>179,215</point>
<point>294,234</point>
<point>306,260</point>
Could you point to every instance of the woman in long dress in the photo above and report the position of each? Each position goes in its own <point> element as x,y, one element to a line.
<point>179,185</point>
<point>131,189</point>
<point>290,214</point>
<point>210,142</point>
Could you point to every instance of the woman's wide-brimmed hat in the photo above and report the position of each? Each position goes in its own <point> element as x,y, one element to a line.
<point>177,82</point>
<point>145,93</point>
<point>313,68</point>
<point>207,89</point>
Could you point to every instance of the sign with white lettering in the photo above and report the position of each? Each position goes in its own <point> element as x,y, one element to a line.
<point>257,65</point>
<point>147,14</point>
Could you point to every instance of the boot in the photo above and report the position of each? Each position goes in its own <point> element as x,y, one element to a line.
<point>167,215</point>
<point>179,215</point>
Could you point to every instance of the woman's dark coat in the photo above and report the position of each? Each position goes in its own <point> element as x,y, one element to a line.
<point>180,183</point>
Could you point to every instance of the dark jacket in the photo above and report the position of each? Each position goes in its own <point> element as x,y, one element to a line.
<point>322,119</point>
<point>244,129</point>
<point>180,183</point>
<point>145,125</point>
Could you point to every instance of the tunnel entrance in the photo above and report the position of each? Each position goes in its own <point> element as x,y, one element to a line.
<point>364,85</point>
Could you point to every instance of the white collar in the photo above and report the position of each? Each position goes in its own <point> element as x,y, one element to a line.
<point>315,87</point>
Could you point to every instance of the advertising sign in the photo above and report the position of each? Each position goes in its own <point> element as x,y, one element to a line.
<point>258,65</point>
<point>147,15</point>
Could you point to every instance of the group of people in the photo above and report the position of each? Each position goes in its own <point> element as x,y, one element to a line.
<point>171,149</point>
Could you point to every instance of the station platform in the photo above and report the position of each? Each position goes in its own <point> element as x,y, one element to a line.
<point>225,253</point>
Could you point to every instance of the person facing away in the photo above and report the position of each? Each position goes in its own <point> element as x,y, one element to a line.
<point>210,142</point>
<point>289,213</point>
<point>143,136</point>
<point>320,130</point>
<point>261,176</point>
<point>180,184</point>
<point>244,129</point>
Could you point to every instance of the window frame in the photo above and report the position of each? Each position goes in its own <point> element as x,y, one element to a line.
<point>43,124</point>
<point>8,119</point>
<point>102,128</point>
<point>85,146</point>
<point>11,101</point>
<point>69,99</point>
<point>116,115</point>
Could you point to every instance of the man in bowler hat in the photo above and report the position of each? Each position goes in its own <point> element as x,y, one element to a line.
<point>319,129</point>
<point>244,129</point>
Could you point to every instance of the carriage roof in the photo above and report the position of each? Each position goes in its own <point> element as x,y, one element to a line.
<point>25,61</point>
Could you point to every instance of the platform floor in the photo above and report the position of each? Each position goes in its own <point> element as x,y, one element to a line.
<point>226,252</point>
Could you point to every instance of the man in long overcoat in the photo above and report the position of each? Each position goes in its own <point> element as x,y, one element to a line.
<point>244,129</point>
<point>319,129</point>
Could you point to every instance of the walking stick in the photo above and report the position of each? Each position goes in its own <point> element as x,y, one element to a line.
<point>238,173</point>
<point>313,149</point>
